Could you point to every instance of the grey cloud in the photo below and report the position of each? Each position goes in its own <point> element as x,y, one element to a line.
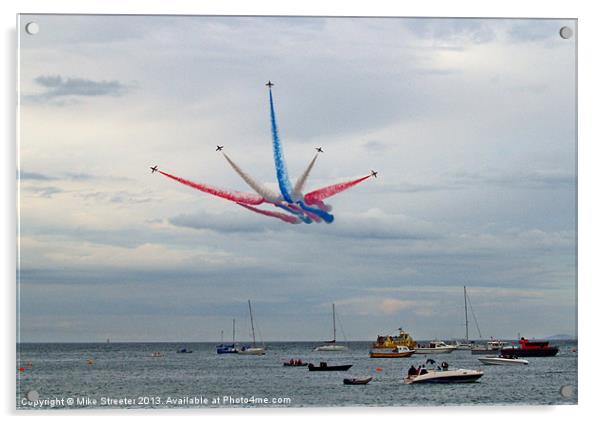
<point>521,179</point>
<point>368,225</point>
<point>23,175</point>
<point>60,88</point>
<point>46,192</point>
<point>452,29</point>
<point>527,30</point>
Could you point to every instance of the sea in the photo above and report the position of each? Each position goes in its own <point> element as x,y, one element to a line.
<point>127,376</point>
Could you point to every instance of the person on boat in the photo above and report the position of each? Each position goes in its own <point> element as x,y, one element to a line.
<point>292,361</point>
<point>422,370</point>
<point>412,371</point>
<point>444,365</point>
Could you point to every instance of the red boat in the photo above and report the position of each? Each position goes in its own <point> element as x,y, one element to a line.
<point>530,348</point>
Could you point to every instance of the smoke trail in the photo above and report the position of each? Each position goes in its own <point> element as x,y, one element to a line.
<point>324,192</point>
<point>263,191</point>
<point>328,218</point>
<point>281,173</point>
<point>284,217</point>
<point>303,178</point>
<point>324,206</point>
<point>301,215</point>
<point>313,216</point>
<point>234,196</point>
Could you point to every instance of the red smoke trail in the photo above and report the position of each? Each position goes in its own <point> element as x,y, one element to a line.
<point>320,194</point>
<point>234,196</point>
<point>282,216</point>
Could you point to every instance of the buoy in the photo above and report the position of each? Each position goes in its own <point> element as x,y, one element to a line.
<point>22,369</point>
<point>379,369</point>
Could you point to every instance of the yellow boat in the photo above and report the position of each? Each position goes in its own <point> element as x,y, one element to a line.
<point>392,342</point>
<point>398,352</point>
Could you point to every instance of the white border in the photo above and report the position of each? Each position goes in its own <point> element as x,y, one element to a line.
<point>589,193</point>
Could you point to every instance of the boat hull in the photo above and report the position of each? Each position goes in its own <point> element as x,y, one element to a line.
<point>503,361</point>
<point>446,377</point>
<point>312,367</point>
<point>531,353</point>
<point>357,381</point>
<point>330,348</point>
<point>433,350</point>
<point>257,351</point>
<point>224,349</point>
<point>478,351</point>
<point>374,354</point>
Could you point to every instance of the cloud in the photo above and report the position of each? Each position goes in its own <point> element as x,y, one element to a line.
<point>520,179</point>
<point>59,88</point>
<point>46,192</point>
<point>370,224</point>
<point>23,175</point>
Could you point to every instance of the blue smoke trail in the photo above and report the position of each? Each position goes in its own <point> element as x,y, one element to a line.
<point>328,218</point>
<point>281,173</point>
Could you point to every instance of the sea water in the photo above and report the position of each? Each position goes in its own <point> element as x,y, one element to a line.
<point>125,375</point>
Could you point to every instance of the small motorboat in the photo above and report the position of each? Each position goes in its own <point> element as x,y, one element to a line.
<point>435,347</point>
<point>503,360</point>
<point>450,376</point>
<point>157,355</point>
<point>492,346</point>
<point>183,349</point>
<point>357,380</point>
<point>325,367</point>
<point>431,372</point>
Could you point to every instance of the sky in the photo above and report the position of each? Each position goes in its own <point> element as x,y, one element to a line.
<point>470,123</point>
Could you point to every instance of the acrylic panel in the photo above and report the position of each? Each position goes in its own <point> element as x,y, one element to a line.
<point>223,212</point>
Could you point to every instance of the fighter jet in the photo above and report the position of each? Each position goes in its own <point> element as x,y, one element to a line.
<point>269,84</point>
<point>319,149</point>
<point>218,148</point>
<point>154,169</point>
<point>373,173</point>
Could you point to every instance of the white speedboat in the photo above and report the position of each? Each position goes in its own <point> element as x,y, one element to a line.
<point>435,347</point>
<point>503,360</point>
<point>450,376</point>
<point>433,372</point>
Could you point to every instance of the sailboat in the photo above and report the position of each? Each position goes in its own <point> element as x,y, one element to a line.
<point>465,344</point>
<point>332,345</point>
<point>254,349</point>
<point>229,348</point>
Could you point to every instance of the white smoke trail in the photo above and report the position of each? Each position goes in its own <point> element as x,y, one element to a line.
<point>260,189</point>
<point>303,178</point>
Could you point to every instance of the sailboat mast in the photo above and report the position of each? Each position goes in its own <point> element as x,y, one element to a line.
<point>252,325</point>
<point>334,326</point>
<point>233,330</point>
<point>465,314</point>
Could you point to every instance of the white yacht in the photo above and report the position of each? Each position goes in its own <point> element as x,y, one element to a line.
<point>332,345</point>
<point>254,349</point>
<point>436,346</point>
